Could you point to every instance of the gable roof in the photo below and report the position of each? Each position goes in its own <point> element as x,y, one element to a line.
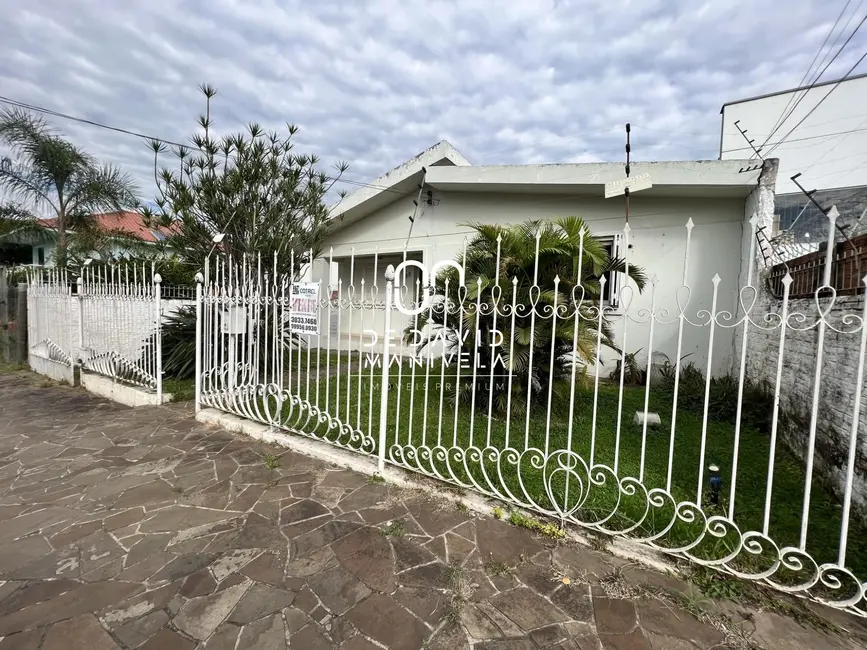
<point>445,169</point>
<point>396,183</point>
<point>126,222</point>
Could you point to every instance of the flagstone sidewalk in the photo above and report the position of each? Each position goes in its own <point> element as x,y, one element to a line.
<point>143,528</point>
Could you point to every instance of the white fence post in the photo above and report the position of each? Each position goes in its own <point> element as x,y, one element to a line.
<point>383,405</point>
<point>80,284</point>
<point>199,280</point>
<point>831,245</point>
<point>158,337</point>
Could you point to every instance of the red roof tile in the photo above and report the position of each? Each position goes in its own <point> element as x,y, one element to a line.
<point>130,223</point>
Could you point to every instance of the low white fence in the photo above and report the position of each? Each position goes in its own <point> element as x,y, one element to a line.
<point>121,313</point>
<point>108,322</point>
<point>503,396</point>
<point>50,312</point>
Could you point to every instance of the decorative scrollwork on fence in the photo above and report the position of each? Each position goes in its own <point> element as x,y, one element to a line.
<point>48,349</point>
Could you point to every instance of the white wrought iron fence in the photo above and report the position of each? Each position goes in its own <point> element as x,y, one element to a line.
<point>120,324</point>
<point>49,318</point>
<point>108,321</point>
<point>494,382</point>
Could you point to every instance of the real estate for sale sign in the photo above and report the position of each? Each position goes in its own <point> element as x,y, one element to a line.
<point>304,308</point>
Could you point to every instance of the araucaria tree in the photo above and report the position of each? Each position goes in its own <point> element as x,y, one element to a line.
<point>503,317</point>
<point>250,191</point>
<point>51,177</point>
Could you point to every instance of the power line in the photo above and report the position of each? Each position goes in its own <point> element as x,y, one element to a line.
<point>811,137</point>
<point>819,103</point>
<point>816,79</point>
<point>839,34</point>
<point>781,120</point>
<point>48,111</point>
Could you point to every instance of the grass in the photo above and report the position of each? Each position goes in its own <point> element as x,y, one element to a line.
<point>394,528</point>
<point>500,569</point>
<point>356,403</point>
<point>459,589</point>
<point>271,461</point>
<point>181,390</point>
<point>549,530</point>
<point>9,368</point>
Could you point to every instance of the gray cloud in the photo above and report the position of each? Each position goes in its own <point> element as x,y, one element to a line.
<point>375,82</point>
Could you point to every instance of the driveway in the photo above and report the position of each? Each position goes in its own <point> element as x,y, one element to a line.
<point>143,528</point>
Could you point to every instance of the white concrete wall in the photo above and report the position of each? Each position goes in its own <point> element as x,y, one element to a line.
<point>824,148</point>
<point>658,240</point>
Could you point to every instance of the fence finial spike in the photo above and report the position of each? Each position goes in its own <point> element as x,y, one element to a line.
<point>787,279</point>
<point>690,224</point>
<point>833,213</point>
<point>716,279</point>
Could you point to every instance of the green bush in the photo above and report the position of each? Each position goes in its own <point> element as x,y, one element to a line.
<point>179,343</point>
<point>758,399</point>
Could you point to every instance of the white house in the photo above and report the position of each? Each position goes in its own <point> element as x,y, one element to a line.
<point>819,132</point>
<point>376,225</point>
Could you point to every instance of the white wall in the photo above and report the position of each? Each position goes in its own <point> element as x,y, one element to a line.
<point>821,148</point>
<point>658,238</point>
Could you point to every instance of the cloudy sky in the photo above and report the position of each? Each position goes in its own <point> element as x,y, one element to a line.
<point>375,82</point>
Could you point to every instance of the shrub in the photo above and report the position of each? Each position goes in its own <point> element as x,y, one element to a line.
<point>559,281</point>
<point>179,343</point>
<point>758,398</point>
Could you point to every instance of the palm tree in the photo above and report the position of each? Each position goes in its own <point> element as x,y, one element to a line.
<point>454,318</point>
<point>53,174</point>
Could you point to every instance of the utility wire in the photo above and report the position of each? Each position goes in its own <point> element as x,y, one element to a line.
<point>811,137</point>
<point>813,84</point>
<point>840,34</point>
<point>819,103</point>
<point>48,111</point>
<point>781,120</point>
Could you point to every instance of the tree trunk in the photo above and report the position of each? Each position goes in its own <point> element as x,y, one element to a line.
<point>60,253</point>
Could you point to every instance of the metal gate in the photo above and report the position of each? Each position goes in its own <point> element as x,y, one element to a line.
<point>119,324</point>
<point>535,388</point>
<point>50,324</point>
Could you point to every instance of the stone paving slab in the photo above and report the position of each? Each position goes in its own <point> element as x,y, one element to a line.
<point>143,528</point>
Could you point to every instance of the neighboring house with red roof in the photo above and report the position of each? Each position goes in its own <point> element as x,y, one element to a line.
<point>126,227</point>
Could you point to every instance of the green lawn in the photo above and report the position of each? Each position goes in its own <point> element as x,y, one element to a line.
<point>422,426</point>
<point>357,402</point>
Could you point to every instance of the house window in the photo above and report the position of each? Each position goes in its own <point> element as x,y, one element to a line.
<point>610,293</point>
<point>40,255</point>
